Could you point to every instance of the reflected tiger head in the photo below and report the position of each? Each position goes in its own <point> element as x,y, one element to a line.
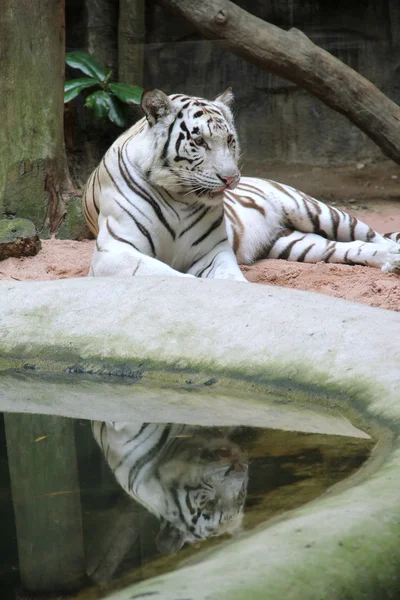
<point>189,145</point>
<point>206,483</point>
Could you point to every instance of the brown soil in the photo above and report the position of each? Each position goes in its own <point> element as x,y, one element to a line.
<point>360,284</point>
<point>371,193</point>
<point>58,259</point>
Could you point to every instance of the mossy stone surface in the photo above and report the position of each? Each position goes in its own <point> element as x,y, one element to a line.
<point>18,237</point>
<point>12,229</point>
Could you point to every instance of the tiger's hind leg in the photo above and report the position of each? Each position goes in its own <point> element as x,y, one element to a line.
<point>395,237</point>
<point>312,248</point>
<point>314,216</point>
<point>301,212</point>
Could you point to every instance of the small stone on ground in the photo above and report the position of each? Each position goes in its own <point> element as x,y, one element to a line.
<point>18,237</point>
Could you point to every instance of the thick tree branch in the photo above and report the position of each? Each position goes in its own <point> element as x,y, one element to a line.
<point>293,56</point>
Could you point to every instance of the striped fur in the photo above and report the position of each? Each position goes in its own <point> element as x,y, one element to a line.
<point>168,199</point>
<point>192,478</point>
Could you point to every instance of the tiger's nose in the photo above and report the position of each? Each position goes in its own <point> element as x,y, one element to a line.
<point>229,180</point>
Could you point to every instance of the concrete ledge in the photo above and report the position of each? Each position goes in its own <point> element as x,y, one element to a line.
<point>237,339</point>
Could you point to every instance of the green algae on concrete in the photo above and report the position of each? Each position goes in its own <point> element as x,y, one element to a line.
<point>241,337</point>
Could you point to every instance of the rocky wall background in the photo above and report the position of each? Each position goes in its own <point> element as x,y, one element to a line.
<point>277,121</point>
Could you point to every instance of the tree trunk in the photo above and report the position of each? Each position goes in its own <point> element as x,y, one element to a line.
<point>293,56</point>
<point>102,23</point>
<point>131,34</point>
<point>46,500</point>
<point>32,157</point>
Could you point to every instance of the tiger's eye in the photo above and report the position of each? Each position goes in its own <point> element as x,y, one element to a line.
<point>200,141</point>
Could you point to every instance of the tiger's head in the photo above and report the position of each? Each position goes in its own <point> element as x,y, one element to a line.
<point>207,485</point>
<point>189,145</point>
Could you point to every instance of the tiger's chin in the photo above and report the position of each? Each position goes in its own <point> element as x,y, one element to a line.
<point>187,192</point>
<point>211,198</point>
<point>190,196</point>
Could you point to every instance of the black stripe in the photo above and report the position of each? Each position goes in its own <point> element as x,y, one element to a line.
<point>141,227</point>
<point>265,250</point>
<point>181,136</point>
<point>143,427</point>
<point>135,469</point>
<point>192,209</point>
<point>135,449</point>
<point>161,195</point>
<point>120,239</point>
<point>93,196</point>
<point>178,505</point>
<point>178,144</point>
<point>335,221</point>
<point>188,503</point>
<point>164,151</point>
<point>185,130</point>
<point>87,215</point>
<point>205,254</point>
<point>304,253</point>
<point>353,224</point>
<point>102,430</point>
<point>313,218</point>
<point>286,252</point>
<point>140,191</point>
<point>128,181</point>
<point>116,184</point>
<point>212,228</point>
<point>328,255</point>
<point>199,218</point>
<point>210,265</point>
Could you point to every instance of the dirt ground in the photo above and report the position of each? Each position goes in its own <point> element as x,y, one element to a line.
<point>369,192</point>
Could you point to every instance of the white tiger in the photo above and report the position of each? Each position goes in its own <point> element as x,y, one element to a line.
<point>194,479</point>
<point>168,199</point>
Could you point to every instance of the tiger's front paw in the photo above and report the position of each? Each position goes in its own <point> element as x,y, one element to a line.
<point>392,265</point>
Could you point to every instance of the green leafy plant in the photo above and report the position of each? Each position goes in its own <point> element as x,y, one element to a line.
<point>109,100</point>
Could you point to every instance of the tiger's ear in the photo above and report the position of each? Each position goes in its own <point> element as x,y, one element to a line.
<point>169,539</point>
<point>155,105</point>
<point>226,97</point>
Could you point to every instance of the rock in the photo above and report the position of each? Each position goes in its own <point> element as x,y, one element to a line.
<point>351,200</point>
<point>74,226</point>
<point>360,165</point>
<point>18,237</point>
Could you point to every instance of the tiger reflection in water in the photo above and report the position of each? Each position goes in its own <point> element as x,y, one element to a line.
<point>194,479</point>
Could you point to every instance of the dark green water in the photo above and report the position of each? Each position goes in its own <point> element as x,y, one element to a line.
<point>68,527</point>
